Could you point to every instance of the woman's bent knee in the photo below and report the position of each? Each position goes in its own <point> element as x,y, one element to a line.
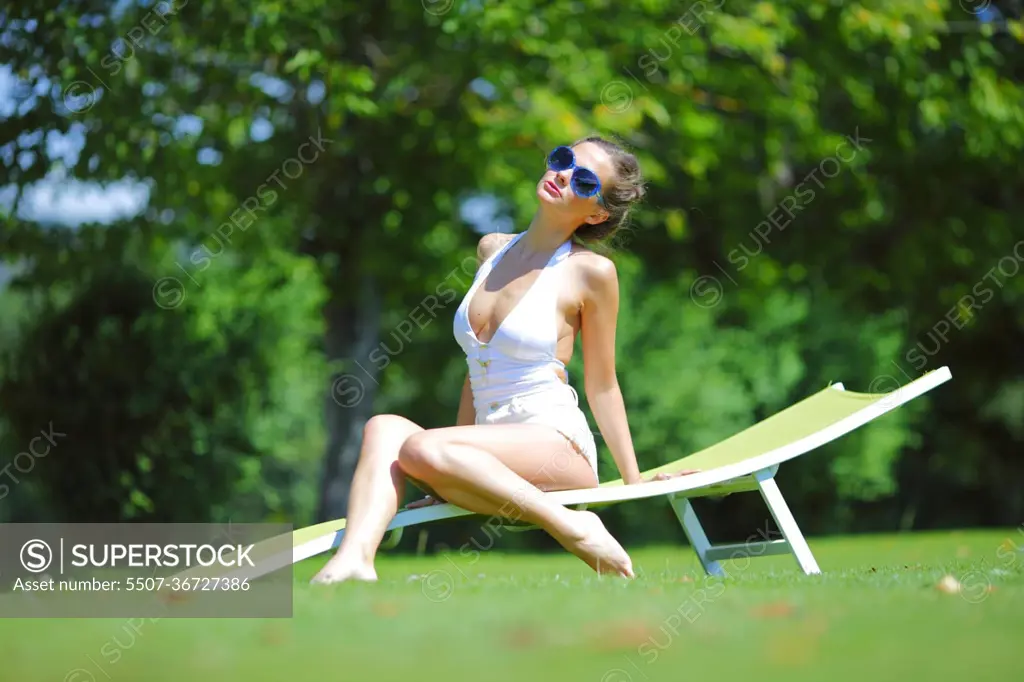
<point>422,455</point>
<point>388,429</point>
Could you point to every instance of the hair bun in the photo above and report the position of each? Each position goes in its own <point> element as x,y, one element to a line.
<point>625,188</point>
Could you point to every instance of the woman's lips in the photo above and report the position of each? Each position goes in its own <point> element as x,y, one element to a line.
<point>552,189</point>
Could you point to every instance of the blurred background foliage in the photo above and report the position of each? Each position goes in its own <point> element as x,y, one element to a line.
<point>287,197</point>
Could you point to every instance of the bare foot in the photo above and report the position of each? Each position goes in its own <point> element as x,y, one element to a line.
<point>340,571</point>
<point>592,543</point>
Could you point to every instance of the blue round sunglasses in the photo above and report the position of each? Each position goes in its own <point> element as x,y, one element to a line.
<point>584,182</point>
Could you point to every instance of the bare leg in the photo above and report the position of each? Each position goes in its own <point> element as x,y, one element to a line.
<point>377,488</point>
<point>500,469</point>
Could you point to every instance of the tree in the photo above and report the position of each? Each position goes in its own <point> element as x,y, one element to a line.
<point>783,142</point>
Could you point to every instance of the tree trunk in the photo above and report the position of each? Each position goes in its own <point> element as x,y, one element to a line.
<point>353,324</point>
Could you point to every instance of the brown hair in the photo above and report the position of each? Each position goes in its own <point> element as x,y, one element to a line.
<point>625,190</point>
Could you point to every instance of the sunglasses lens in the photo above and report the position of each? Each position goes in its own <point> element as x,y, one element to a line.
<point>585,183</point>
<point>561,158</point>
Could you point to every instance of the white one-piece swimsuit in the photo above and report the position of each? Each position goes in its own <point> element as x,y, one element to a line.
<point>514,375</point>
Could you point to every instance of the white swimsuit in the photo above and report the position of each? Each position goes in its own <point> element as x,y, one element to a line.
<point>513,376</point>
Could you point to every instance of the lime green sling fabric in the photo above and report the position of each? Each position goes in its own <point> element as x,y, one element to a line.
<point>805,418</point>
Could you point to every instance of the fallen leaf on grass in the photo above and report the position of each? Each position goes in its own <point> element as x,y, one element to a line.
<point>793,649</point>
<point>948,584</point>
<point>385,609</point>
<point>273,636</point>
<point>790,651</point>
<point>779,609</point>
<point>626,634</point>
<point>522,637</point>
<point>814,626</point>
<point>173,597</point>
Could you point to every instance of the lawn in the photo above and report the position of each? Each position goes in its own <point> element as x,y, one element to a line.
<point>876,613</point>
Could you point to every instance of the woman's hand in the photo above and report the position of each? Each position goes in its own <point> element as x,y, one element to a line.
<point>664,476</point>
<point>427,501</point>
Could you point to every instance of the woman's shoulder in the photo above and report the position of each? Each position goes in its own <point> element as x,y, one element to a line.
<point>591,264</point>
<point>490,243</point>
<point>596,275</point>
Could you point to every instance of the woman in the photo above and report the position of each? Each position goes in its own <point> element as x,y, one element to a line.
<point>519,429</point>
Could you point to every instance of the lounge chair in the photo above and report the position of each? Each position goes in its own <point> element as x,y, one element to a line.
<point>747,461</point>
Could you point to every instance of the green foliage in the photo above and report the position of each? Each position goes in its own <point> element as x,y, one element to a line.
<point>848,173</point>
<point>186,414</point>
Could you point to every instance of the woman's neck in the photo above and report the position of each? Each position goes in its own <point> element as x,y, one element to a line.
<point>545,235</point>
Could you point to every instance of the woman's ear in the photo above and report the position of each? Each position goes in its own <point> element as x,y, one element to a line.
<point>597,217</point>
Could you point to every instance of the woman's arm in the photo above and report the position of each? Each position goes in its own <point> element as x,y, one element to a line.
<point>467,415</point>
<point>598,323</point>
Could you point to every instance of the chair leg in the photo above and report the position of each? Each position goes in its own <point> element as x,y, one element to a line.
<point>391,539</point>
<point>784,519</point>
<point>695,534</point>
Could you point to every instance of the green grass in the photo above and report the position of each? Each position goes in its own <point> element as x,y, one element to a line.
<point>875,614</point>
